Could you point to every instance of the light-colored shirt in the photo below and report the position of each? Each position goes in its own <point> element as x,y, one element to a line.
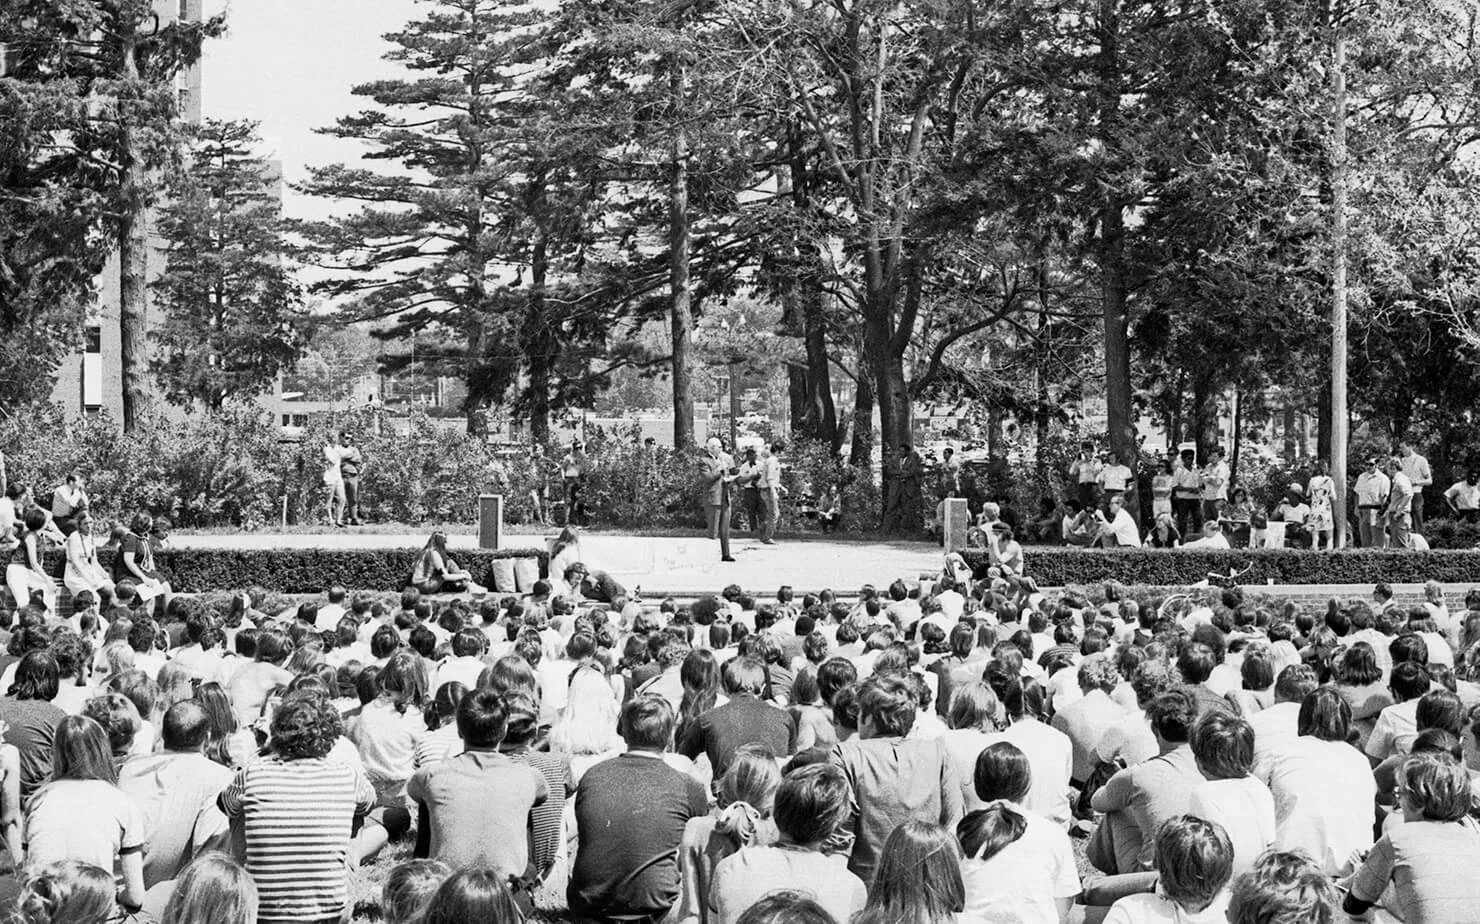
<point>1215,481</point>
<point>177,793</point>
<point>1323,797</point>
<point>1464,496</point>
<point>1416,467</point>
<point>1372,489</point>
<point>1429,865</point>
<point>1051,756</point>
<point>1245,809</point>
<point>770,472</point>
<point>89,821</point>
<point>1116,477</point>
<point>1021,883</point>
<point>1124,529</point>
<point>744,878</point>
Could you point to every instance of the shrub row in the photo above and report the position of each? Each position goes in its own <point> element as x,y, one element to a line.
<point>308,571</point>
<point>1056,567</point>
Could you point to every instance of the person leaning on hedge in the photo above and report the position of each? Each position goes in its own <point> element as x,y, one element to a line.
<point>435,571</point>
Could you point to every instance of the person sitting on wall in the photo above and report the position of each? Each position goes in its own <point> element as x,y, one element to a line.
<point>436,571</point>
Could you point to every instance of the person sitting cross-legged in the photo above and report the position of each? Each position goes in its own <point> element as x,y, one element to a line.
<point>1196,863</point>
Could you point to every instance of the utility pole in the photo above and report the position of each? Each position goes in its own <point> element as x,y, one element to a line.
<point>1338,281</point>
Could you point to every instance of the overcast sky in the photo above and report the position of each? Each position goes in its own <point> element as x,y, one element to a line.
<point>289,64</point>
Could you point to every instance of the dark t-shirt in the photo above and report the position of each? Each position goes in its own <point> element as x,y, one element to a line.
<point>743,720</point>
<point>142,553</point>
<point>32,727</point>
<point>630,812</point>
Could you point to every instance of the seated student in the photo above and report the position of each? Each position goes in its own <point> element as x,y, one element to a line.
<point>894,778</point>
<point>744,719</point>
<point>1232,797</point>
<point>436,571</point>
<point>810,807</point>
<point>630,815</point>
<point>1212,538</point>
<point>1195,860</point>
<point>1014,858</point>
<point>134,562</point>
<point>1086,720</point>
<point>919,878</point>
<point>1323,790</point>
<point>1283,888</point>
<point>474,808</point>
<point>1397,725</point>
<point>66,892</point>
<point>743,818</point>
<point>472,895</point>
<point>409,888</point>
<point>1423,863</point>
<point>586,584</point>
<point>212,890</point>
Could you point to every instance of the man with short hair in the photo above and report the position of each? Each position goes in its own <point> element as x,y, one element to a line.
<point>327,619</point>
<point>1116,478</point>
<point>745,719</point>
<point>718,477</point>
<point>1086,720</point>
<point>474,808</point>
<point>351,467</point>
<point>1278,725</point>
<point>176,789</point>
<point>1372,496</point>
<point>1397,725</point>
<point>1463,497</point>
<point>1399,510</point>
<point>749,482</point>
<point>1118,529</point>
<point>465,664</point>
<point>630,815</point>
<point>1215,476</point>
<point>1417,470</point>
<point>894,778</point>
<point>770,489</point>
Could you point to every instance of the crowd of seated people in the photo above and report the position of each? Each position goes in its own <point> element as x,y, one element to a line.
<point>924,753</point>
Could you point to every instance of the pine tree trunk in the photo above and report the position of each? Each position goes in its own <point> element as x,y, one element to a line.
<point>133,260</point>
<point>1119,412</point>
<point>540,353</point>
<point>681,311</point>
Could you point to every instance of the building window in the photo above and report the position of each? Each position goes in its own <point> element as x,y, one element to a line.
<point>92,368</point>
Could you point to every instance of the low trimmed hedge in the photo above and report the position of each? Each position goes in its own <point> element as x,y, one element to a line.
<point>306,571</point>
<point>1056,567</point>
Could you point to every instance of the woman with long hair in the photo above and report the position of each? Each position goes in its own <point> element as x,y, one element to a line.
<point>586,730</point>
<point>25,570</point>
<point>747,795</point>
<point>212,890</point>
<point>32,719</point>
<point>918,879</point>
<point>564,551</point>
<point>83,570</point>
<point>442,740</point>
<point>436,571</point>
<point>480,895</point>
<point>227,744</point>
<point>699,674</point>
<point>1359,682</point>
<point>67,892</point>
<point>389,726</point>
<point>82,815</point>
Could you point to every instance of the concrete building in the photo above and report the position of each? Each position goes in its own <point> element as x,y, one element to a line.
<point>91,380</point>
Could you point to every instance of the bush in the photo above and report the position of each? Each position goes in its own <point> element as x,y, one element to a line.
<point>1451,534</point>
<point>1056,567</point>
<point>306,571</point>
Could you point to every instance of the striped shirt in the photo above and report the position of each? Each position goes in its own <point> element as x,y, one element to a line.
<point>297,817</point>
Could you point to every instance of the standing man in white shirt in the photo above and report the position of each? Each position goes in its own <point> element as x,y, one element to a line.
<point>1400,506</point>
<point>1085,472</point>
<point>770,487</point>
<point>1416,467</point>
<point>1372,494</point>
<point>1116,478</point>
<point>1214,485</point>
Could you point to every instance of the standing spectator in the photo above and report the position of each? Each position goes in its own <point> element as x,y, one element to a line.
<point>719,475</point>
<point>1084,472</point>
<point>1399,510</point>
<point>177,790</point>
<point>919,878</point>
<point>749,482</point>
<point>1321,489</point>
<point>1416,468</point>
<point>30,719</point>
<point>1195,860</point>
<point>1463,497</point>
<point>1422,863</point>
<point>333,483</point>
<point>630,816</point>
<point>894,778</point>
<point>1162,484</point>
<point>573,472</point>
<point>1232,797</point>
<point>1372,496</point>
<point>474,808</point>
<point>810,807</point>
<point>1116,479</point>
<point>744,719</point>
<point>911,490</point>
<point>1215,477</point>
<point>351,467</point>
<point>298,808</point>
<point>82,815</point>
<point>771,490</point>
<point>1187,494</point>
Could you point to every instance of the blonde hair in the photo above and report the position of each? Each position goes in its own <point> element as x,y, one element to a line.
<point>409,889</point>
<point>212,890</point>
<point>589,717</point>
<point>66,892</point>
